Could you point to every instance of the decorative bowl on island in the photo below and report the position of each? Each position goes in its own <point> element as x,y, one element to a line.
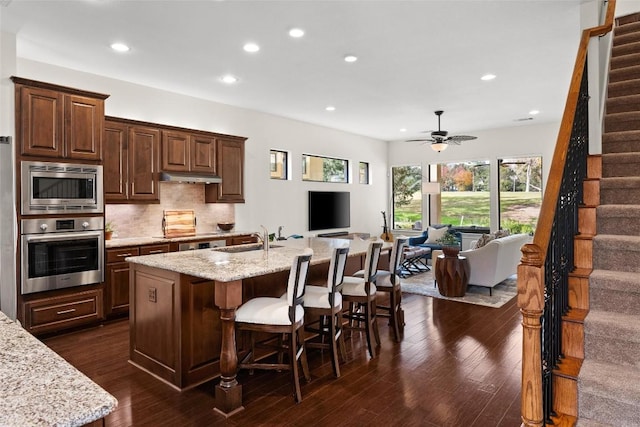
<point>226,226</point>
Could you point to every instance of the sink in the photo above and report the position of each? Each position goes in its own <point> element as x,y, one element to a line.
<point>243,248</point>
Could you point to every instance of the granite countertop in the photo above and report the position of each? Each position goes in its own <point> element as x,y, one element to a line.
<point>139,241</point>
<point>40,388</point>
<point>225,264</point>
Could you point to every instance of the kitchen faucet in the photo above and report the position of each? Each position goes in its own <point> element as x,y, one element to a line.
<point>264,238</point>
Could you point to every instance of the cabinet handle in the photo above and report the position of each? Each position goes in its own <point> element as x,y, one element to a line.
<point>71,310</point>
<point>157,251</point>
<point>123,255</point>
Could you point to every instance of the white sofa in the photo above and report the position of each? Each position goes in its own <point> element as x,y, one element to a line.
<point>497,260</point>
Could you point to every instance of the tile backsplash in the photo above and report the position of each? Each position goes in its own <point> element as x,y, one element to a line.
<point>145,220</point>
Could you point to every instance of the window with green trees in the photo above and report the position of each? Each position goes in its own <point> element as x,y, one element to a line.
<point>465,194</point>
<point>324,169</point>
<point>407,196</point>
<point>520,193</point>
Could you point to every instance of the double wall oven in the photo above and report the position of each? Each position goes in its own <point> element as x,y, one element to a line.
<point>61,251</point>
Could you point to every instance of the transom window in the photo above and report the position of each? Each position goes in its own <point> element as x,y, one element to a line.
<point>279,164</point>
<point>364,173</point>
<point>324,169</point>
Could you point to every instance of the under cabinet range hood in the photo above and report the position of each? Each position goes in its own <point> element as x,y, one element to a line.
<point>189,178</point>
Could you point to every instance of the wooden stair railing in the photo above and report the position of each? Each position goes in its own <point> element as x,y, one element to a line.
<point>548,260</point>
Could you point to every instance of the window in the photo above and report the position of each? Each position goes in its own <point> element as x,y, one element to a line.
<point>520,193</point>
<point>279,164</point>
<point>407,197</point>
<point>364,173</point>
<point>464,194</point>
<point>324,169</point>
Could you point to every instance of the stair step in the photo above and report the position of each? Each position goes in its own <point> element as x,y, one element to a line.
<point>612,337</point>
<point>622,122</point>
<point>620,142</point>
<point>620,74</point>
<point>623,104</point>
<point>620,191</point>
<point>622,38</point>
<point>624,61</point>
<point>617,291</point>
<point>623,22</point>
<point>609,393</point>
<point>624,88</point>
<point>621,164</point>
<point>616,253</point>
<point>625,49</point>
<point>618,219</point>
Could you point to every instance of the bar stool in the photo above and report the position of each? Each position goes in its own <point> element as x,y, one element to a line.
<point>360,293</point>
<point>389,281</point>
<point>282,316</point>
<point>323,304</point>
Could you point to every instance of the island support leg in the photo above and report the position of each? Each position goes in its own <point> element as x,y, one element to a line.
<point>228,297</point>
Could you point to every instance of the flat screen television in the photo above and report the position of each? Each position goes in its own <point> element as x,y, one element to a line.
<point>329,209</point>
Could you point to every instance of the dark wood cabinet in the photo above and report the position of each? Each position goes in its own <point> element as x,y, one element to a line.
<point>230,160</point>
<point>131,163</point>
<point>188,152</point>
<point>58,122</point>
<point>203,153</point>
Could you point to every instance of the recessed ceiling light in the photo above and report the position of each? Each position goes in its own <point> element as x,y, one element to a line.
<point>120,47</point>
<point>488,77</point>
<point>330,108</point>
<point>296,32</point>
<point>534,112</point>
<point>350,58</point>
<point>403,130</point>
<point>251,47</point>
<point>229,79</point>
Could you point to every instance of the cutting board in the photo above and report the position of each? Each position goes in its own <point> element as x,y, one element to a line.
<point>179,223</point>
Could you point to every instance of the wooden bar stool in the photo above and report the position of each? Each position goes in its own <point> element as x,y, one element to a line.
<point>360,293</point>
<point>323,304</point>
<point>389,281</point>
<point>282,316</point>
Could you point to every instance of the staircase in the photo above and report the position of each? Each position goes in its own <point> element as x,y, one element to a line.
<point>609,380</point>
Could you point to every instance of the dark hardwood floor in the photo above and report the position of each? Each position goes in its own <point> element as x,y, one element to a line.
<point>458,365</point>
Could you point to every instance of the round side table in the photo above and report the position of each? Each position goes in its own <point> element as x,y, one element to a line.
<point>452,275</point>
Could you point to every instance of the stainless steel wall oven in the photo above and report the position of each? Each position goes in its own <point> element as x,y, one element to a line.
<point>61,252</point>
<point>61,188</point>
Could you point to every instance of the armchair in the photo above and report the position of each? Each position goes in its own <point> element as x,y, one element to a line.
<point>423,239</point>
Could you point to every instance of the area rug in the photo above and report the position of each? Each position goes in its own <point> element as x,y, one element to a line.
<point>422,284</point>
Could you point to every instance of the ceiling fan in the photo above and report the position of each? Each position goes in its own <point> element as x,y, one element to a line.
<point>439,138</point>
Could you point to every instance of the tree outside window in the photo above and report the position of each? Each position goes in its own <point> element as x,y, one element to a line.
<point>465,198</point>
<point>520,193</point>
<point>407,197</point>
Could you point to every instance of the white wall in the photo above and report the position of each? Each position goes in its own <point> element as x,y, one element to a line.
<point>517,141</point>
<point>627,7</point>
<point>268,202</point>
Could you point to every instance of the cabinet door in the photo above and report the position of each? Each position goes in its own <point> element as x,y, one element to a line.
<point>117,288</point>
<point>144,147</point>
<point>230,159</point>
<point>41,122</point>
<point>176,152</point>
<point>83,124</point>
<point>115,164</point>
<point>203,154</point>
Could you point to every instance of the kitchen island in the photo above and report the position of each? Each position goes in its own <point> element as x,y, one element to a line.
<point>183,307</point>
<point>39,388</point>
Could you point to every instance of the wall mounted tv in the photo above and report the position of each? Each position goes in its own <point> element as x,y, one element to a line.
<point>329,209</point>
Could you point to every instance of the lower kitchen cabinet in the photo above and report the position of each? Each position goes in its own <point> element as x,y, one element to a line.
<point>63,310</point>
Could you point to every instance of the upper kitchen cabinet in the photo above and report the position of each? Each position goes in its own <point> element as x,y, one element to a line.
<point>58,122</point>
<point>131,162</point>
<point>188,152</point>
<point>230,161</point>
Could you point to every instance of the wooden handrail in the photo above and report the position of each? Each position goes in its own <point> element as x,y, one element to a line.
<point>531,282</point>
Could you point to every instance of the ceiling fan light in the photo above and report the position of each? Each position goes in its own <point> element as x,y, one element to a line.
<point>439,146</point>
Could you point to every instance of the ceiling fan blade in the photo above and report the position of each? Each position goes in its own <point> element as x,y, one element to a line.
<point>421,140</point>
<point>460,138</point>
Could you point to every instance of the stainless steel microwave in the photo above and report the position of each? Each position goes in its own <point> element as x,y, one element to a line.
<point>61,188</point>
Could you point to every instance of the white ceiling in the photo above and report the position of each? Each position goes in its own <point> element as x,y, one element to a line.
<point>414,56</point>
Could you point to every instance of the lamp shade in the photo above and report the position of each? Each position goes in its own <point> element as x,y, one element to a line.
<point>439,146</point>
<point>430,188</point>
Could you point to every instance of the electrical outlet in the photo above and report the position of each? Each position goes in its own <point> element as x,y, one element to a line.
<point>153,295</point>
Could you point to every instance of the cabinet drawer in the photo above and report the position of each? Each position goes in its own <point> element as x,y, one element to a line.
<point>154,249</point>
<point>118,255</point>
<point>241,240</point>
<point>54,313</point>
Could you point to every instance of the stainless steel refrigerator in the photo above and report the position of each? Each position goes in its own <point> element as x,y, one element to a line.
<point>8,229</point>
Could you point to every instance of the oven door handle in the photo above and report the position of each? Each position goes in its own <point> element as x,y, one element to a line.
<point>63,236</point>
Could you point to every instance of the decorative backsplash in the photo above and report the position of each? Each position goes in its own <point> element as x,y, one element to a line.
<point>145,220</point>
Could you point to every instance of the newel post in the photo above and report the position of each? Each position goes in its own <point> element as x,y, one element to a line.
<point>531,303</point>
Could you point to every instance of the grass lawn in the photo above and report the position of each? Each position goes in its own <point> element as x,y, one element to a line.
<point>465,208</point>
